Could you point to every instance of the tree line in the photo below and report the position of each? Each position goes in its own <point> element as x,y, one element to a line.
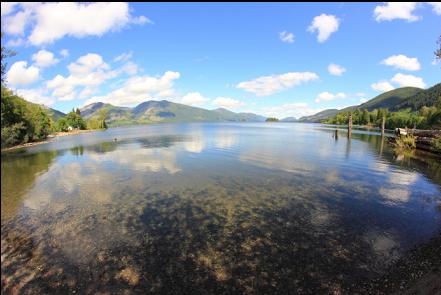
<point>425,118</point>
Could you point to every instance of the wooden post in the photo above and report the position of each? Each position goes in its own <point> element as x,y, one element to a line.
<point>383,123</point>
<point>350,125</point>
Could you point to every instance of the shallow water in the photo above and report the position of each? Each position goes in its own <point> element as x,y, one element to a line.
<point>211,208</point>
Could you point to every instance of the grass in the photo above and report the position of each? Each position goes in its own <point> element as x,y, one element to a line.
<point>436,143</point>
<point>406,141</point>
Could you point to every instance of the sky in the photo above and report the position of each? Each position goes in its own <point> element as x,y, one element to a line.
<point>273,59</point>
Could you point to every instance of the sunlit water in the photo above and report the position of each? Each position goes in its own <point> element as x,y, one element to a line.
<point>211,208</point>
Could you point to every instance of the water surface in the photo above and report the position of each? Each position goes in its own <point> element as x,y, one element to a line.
<point>211,208</point>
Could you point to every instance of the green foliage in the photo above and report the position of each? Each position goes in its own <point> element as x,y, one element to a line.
<point>22,121</point>
<point>272,120</point>
<point>406,141</point>
<point>72,119</point>
<point>13,134</point>
<point>429,97</point>
<point>405,118</point>
<point>99,121</point>
<point>62,124</point>
<point>75,121</point>
<point>390,99</point>
<point>436,143</point>
<point>423,112</point>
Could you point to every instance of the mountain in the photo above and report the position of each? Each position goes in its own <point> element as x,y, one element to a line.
<point>164,111</point>
<point>54,114</point>
<point>390,99</point>
<point>319,116</point>
<point>121,114</point>
<point>227,115</point>
<point>289,119</point>
<point>394,100</point>
<point>428,97</point>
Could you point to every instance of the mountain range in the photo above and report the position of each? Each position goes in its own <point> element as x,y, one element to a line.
<point>153,111</point>
<point>394,100</point>
<point>164,111</point>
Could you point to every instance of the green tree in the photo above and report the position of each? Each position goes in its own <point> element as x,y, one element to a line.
<point>62,124</point>
<point>75,121</point>
<point>365,118</point>
<point>21,121</point>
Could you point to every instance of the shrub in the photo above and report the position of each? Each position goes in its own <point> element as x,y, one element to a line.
<point>436,143</point>
<point>406,141</point>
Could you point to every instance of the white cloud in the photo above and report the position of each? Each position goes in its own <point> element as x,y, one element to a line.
<point>64,53</point>
<point>44,58</point>
<point>193,98</point>
<point>140,88</point>
<point>140,20</point>
<point>87,92</point>
<point>396,10</point>
<point>227,102</point>
<point>408,80</point>
<point>268,85</point>
<point>436,7</point>
<point>336,70</point>
<point>130,68</point>
<point>286,37</point>
<point>123,57</point>
<point>17,23</point>
<point>87,71</point>
<point>7,7</point>
<point>403,62</point>
<point>363,100</point>
<point>327,96</point>
<point>36,96</point>
<point>325,25</point>
<point>21,74</point>
<point>383,86</point>
<point>52,21</point>
<point>16,42</point>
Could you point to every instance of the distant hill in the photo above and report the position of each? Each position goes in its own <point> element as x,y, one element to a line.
<point>227,115</point>
<point>120,114</point>
<point>319,116</point>
<point>394,100</point>
<point>390,99</point>
<point>54,114</point>
<point>289,119</point>
<point>164,111</point>
<point>428,97</point>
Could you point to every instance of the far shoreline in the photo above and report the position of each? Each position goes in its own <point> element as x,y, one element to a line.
<point>49,139</point>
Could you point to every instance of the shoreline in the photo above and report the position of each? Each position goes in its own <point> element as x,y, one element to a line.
<point>49,139</point>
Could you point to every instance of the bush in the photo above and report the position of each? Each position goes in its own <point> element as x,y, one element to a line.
<point>406,141</point>
<point>14,134</point>
<point>22,121</point>
<point>436,143</point>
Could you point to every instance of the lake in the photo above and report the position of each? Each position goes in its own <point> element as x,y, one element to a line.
<point>204,208</point>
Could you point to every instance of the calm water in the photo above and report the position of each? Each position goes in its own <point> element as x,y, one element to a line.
<point>211,208</point>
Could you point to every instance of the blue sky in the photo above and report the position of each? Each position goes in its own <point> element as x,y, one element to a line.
<point>274,59</point>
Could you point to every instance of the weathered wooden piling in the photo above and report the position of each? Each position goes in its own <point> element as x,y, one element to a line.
<point>350,125</point>
<point>383,124</point>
